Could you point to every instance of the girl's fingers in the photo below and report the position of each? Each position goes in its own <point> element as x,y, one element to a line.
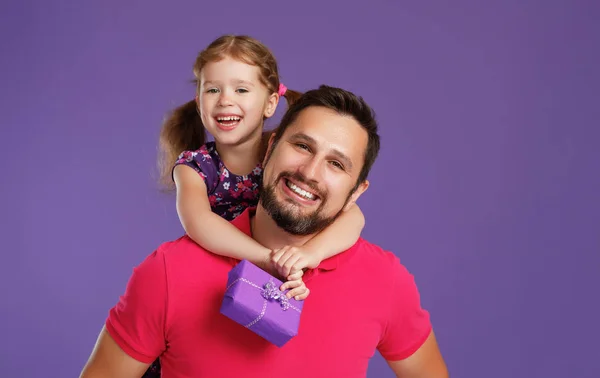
<point>276,256</point>
<point>295,276</point>
<point>297,292</point>
<point>291,285</point>
<point>289,263</point>
<point>302,297</point>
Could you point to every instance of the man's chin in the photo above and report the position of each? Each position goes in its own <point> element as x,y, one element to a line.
<point>290,216</point>
<point>294,211</point>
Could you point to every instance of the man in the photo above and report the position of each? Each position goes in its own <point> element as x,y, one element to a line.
<point>361,300</point>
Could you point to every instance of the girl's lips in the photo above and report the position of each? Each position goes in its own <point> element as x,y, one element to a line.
<point>227,122</point>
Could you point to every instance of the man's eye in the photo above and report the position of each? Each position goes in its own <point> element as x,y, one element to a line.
<point>337,165</point>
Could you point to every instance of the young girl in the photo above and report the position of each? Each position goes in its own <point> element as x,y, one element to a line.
<point>237,89</point>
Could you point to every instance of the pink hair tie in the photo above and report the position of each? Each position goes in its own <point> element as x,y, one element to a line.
<point>282,89</point>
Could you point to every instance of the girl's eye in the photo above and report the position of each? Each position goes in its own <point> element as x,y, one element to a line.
<point>242,90</point>
<point>212,90</point>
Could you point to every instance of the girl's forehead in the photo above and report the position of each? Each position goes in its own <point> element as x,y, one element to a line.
<point>229,69</point>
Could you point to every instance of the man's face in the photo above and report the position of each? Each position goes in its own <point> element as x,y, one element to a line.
<point>311,171</point>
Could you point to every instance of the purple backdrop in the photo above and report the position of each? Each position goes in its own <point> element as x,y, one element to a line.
<point>485,185</point>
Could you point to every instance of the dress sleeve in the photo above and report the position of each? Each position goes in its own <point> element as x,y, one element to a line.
<point>203,163</point>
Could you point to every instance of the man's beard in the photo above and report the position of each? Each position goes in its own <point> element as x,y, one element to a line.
<point>290,220</point>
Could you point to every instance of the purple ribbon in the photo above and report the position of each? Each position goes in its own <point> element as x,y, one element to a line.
<point>270,291</point>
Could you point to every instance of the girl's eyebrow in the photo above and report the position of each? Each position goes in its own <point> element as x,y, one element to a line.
<point>239,81</point>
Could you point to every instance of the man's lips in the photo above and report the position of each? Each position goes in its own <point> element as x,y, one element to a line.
<point>300,190</point>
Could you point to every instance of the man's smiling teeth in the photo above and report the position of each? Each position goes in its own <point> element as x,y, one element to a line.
<point>228,119</point>
<point>299,191</point>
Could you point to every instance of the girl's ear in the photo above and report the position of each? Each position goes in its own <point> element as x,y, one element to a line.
<point>272,102</point>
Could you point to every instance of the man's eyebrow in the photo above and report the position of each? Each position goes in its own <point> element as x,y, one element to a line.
<point>303,137</point>
<point>344,159</point>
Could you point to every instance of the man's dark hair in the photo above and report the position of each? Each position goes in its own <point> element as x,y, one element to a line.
<point>344,103</point>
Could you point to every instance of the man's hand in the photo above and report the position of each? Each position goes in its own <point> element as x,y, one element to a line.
<point>290,260</point>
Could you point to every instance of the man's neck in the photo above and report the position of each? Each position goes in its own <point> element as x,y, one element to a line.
<point>266,232</point>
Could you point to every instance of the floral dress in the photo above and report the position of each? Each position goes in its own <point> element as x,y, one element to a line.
<point>229,194</point>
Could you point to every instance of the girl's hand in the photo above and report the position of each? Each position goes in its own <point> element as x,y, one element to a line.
<point>298,291</point>
<point>290,260</point>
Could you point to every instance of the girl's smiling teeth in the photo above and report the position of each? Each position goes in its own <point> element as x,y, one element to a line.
<point>228,120</point>
<point>299,191</point>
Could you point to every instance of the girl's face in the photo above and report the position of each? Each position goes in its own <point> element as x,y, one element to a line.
<point>233,102</point>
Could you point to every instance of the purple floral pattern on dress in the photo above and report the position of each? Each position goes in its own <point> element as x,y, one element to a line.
<point>228,194</point>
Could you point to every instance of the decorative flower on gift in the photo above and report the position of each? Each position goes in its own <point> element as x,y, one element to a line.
<point>270,291</point>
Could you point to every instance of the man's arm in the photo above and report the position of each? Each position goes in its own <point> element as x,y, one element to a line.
<point>426,362</point>
<point>408,342</point>
<point>108,360</point>
<point>133,334</point>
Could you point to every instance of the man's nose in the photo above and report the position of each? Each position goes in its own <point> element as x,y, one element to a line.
<point>311,169</point>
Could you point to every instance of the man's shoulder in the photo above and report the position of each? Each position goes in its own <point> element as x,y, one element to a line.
<point>182,243</point>
<point>375,253</point>
<point>179,249</point>
<point>177,260</point>
<point>380,260</point>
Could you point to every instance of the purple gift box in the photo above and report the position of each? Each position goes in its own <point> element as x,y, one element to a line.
<point>253,299</point>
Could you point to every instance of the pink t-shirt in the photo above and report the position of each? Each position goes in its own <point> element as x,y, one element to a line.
<point>361,300</point>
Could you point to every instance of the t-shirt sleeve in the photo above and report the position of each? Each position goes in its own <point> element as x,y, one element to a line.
<point>200,161</point>
<point>137,322</point>
<point>408,325</point>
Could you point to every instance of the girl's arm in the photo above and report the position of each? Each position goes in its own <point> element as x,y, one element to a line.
<point>338,237</point>
<point>208,229</point>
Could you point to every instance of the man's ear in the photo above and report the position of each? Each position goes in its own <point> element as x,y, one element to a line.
<point>362,187</point>
<point>271,105</point>
<point>269,148</point>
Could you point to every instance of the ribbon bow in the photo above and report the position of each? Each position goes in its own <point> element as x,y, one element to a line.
<point>270,291</point>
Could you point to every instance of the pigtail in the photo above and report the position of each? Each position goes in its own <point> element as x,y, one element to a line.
<point>182,131</point>
<point>291,96</point>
